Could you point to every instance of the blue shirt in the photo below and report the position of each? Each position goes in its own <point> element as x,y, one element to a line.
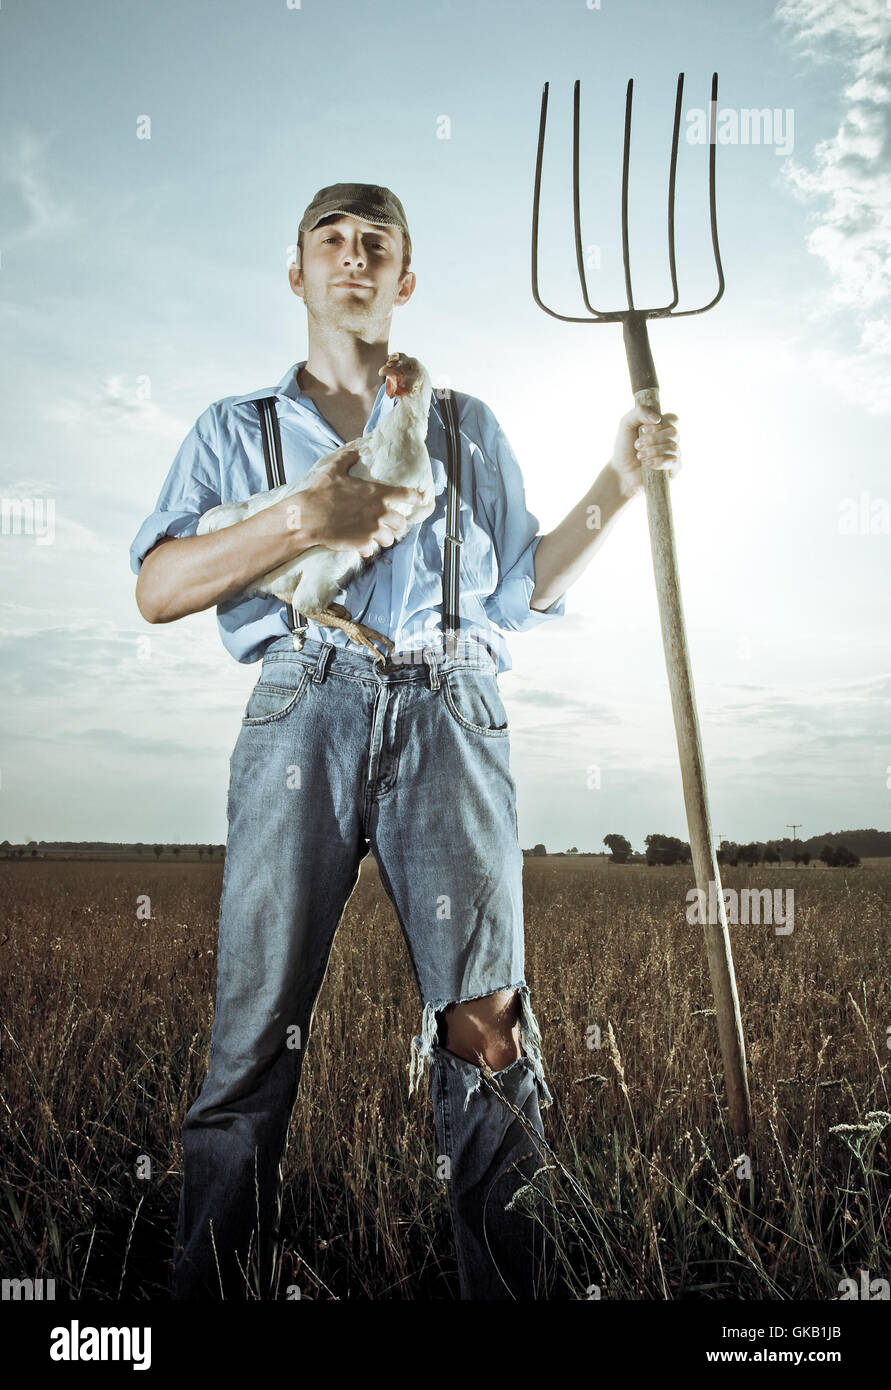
<point>400,592</point>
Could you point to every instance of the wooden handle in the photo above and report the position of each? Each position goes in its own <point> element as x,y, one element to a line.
<point>686,723</point>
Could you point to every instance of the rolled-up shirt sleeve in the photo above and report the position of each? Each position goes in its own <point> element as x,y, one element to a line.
<point>190,489</point>
<point>514,531</point>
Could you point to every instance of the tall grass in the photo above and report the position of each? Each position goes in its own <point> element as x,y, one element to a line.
<point>106,1021</point>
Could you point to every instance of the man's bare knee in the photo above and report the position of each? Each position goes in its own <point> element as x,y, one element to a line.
<point>489,1026</point>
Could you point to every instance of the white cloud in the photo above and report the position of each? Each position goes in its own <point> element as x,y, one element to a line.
<point>117,405</point>
<point>848,179</point>
<point>24,165</point>
<point>855,22</point>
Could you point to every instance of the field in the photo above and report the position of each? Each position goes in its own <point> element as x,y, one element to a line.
<point>106,1022</point>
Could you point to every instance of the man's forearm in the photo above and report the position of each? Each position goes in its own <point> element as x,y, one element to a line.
<point>563,554</point>
<point>188,574</point>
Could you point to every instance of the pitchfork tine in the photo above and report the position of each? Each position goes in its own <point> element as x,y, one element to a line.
<point>535,202</point>
<point>626,153</point>
<point>576,216</point>
<point>672,180</point>
<point>713,219</point>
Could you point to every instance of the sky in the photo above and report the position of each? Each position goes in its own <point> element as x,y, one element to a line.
<point>143,278</point>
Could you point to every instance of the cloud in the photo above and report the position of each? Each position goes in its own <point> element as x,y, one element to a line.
<point>117,404</point>
<point>547,702</point>
<point>848,179</point>
<point>24,166</point>
<point>854,23</point>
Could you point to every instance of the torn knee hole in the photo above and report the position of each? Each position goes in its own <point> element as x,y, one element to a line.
<point>435,1030</point>
<point>483,1029</point>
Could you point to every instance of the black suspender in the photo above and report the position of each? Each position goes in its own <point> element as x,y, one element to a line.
<point>275,476</point>
<point>451,617</point>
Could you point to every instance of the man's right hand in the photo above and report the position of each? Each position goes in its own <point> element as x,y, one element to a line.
<point>347,513</point>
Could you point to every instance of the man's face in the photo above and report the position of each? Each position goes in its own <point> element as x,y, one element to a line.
<point>350,275</point>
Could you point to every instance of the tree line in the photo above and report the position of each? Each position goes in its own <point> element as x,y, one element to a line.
<point>668,849</point>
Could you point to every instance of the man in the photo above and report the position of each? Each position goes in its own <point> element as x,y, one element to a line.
<point>335,756</point>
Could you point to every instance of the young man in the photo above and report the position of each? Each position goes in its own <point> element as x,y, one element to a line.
<point>336,756</point>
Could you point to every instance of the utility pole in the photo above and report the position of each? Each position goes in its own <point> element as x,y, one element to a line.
<point>794,828</point>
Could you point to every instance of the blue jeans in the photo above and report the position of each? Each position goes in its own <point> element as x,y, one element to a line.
<point>335,756</point>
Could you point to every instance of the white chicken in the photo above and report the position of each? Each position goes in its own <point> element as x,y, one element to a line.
<point>394,452</point>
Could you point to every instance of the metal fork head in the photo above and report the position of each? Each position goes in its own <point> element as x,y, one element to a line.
<point>632,310</point>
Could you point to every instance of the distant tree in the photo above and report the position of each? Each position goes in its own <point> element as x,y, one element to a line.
<point>619,846</point>
<point>159,850</point>
<point>539,849</point>
<point>772,855</point>
<point>846,858</point>
<point>200,851</point>
<point>827,854</point>
<point>176,849</point>
<point>574,850</point>
<point>666,849</point>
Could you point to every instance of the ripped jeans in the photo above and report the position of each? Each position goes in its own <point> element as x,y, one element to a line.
<point>334,756</point>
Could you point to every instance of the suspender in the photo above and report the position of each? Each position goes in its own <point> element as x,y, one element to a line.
<point>275,476</point>
<point>451,617</point>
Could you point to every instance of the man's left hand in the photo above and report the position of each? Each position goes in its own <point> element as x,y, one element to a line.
<point>645,439</point>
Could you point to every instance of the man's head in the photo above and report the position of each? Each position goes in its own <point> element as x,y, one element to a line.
<point>353,233</point>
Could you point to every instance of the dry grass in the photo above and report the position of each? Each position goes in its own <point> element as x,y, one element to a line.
<point>106,1021</point>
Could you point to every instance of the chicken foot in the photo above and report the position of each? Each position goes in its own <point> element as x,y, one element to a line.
<point>335,615</point>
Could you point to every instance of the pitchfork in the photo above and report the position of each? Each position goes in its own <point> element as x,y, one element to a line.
<point>645,386</point>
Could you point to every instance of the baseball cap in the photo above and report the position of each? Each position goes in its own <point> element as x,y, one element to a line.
<point>369,201</point>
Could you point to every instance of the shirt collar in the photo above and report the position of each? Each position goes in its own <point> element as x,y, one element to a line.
<point>289,386</point>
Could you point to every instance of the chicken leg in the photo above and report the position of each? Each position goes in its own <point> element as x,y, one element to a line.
<point>335,615</point>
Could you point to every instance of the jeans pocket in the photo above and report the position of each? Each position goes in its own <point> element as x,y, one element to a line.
<point>474,701</point>
<point>271,700</point>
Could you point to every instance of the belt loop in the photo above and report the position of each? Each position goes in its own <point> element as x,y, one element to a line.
<point>430,658</point>
<point>327,651</point>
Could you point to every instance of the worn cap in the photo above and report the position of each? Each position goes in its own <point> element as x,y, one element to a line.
<point>369,201</point>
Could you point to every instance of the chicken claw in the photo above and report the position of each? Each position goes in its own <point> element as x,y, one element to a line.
<point>335,615</point>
